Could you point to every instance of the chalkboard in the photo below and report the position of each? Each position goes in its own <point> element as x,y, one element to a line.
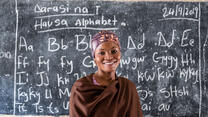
<point>45,48</point>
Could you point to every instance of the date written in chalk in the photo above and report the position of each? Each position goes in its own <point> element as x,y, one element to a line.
<point>180,11</point>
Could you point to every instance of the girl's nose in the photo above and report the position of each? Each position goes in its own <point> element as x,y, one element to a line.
<point>108,56</point>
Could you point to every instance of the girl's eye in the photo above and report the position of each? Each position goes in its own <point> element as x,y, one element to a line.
<point>113,51</point>
<point>102,53</point>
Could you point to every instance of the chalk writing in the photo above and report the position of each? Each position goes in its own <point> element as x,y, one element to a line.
<point>6,55</point>
<point>42,24</point>
<point>181,11</point>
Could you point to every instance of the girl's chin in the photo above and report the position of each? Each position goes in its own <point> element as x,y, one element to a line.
<point>109,70</point>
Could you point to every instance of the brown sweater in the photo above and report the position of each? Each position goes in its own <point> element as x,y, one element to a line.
<point>119,99</point>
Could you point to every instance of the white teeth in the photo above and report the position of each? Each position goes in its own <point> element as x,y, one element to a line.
<point>110,62</point>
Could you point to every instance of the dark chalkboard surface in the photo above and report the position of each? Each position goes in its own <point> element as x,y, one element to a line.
<point>44,49</point>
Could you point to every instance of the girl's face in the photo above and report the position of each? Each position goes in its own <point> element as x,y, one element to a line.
<point>107,57</point>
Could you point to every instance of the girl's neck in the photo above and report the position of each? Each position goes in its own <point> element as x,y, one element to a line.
<point>104,78</point>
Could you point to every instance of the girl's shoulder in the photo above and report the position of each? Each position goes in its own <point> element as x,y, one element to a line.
<point>83,80</point>
<point>126,81</point>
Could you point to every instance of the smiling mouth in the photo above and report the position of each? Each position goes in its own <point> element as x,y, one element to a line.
<point>110,63</point>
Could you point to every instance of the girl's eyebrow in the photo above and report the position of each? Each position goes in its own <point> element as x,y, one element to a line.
<point>111,48</point>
